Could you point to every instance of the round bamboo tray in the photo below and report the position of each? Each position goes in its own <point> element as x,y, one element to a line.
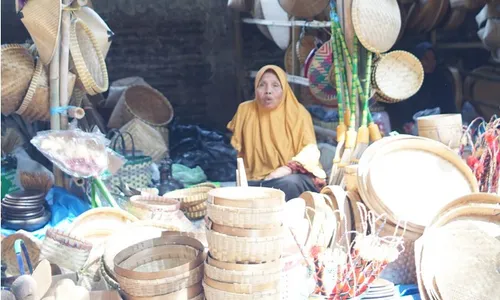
<point>232,244</point>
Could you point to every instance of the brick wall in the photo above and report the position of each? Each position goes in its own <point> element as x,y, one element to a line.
<point>184,48</point>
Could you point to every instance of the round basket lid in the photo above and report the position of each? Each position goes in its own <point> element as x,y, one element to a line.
<point>100,222</point>
<point>412,179</point>
<point>273,11</point>
<point>319,74</point>
<point>398,75</point>
<point>377,23</point>
<point>303,8</point>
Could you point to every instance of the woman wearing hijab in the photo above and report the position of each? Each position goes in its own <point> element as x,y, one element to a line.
<point>436,91</point>
<point>274,134</point>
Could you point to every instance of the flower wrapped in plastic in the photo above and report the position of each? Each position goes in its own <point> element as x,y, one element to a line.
<point>77,153</point>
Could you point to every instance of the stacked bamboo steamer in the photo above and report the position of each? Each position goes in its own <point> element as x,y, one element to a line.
<point>409,178</point>
<point>193,199</point>
<point>168,267</point>
<point>458,257</point>
<point>245,238</point>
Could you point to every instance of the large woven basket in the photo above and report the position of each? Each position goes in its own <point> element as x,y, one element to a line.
<point>18,67</point>
<point>88,59</point>
<point>160,266</point>
<point>258,218</point>
<point>214,291</point>
<point>119,86</point>
<point>142,102</point>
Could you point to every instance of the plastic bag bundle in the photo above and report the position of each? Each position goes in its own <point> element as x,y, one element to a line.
<point>75,152</point>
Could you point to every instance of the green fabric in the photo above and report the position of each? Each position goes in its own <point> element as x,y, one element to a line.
<point>8,185</point>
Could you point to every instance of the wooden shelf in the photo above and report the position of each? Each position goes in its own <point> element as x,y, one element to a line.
<point>291,23</point>
<point>291,78</point>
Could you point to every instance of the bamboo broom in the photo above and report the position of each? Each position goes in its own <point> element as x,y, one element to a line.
<point>363,138</point>
<point>350,139</point>
<point>341,127</point>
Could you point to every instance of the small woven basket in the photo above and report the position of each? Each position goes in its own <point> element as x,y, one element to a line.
<point>65,250</point>
<point>88,59</point>
<point>146,207</point>
<point>142,102</point>
<point>9,257</point>
<point>252,246</point>
<point>18,67</point>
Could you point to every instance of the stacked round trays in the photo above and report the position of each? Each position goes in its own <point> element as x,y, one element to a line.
<point>169,267</point>
<point>25,210</point>
<point>193,199</point>
<point>245,237</point>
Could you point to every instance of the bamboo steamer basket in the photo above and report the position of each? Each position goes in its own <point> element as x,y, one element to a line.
<point>237,245</point>
<point>242,273</point>
<point>194,292</point>
<point>160,266</point>
<point>482,211</point>
<point>215,290</point>
<point>241,217</point>
<point>444,128</point>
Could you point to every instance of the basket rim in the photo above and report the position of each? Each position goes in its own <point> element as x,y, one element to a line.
<point>153,91</point>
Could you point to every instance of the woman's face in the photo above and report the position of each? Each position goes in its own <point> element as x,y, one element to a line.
<point>269,91</point>
<point>429,62</point>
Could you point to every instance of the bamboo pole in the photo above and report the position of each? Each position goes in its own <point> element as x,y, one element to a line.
<point>54,103</point>
<point>64,69</point>
<point>295,59</point>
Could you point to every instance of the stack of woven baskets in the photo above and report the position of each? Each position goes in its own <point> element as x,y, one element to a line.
<point>168,267</point>
<point>245,238</point>
<point>193,199</point>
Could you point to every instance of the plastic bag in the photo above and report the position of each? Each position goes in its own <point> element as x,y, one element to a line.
<point>75,152</point>
<point>187,175</point>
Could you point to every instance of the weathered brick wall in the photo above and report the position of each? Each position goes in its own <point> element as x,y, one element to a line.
<point>184,48</point>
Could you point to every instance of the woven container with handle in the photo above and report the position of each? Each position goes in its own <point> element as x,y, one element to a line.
<point>18,67</point>
<point>142,102</point>
<point>136,172</point>
<point>119,86</point>
<point>144,138</point>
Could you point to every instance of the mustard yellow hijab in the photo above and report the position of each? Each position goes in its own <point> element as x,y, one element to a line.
<point>269,139</point>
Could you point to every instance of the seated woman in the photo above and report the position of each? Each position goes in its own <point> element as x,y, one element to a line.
<point>274,134</point>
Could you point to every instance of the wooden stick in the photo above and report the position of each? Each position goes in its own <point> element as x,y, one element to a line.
<point>76,112</point>
<point>242,173</point>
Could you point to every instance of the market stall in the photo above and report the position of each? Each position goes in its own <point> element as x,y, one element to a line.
<point>137,206</point>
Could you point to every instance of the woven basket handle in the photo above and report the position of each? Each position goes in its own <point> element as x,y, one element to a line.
<point>19,247</point>
<point>114,135</point>
<point>131,141</point>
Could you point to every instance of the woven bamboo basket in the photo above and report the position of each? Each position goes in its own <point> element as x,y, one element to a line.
<point>88,58</point>
<point>252,218</point>
<point>190,196</point>
<point>216,291</point>
<point>160,266</point>
<point>9,257</point>
<point>65,250</point>
<point>18,67</point>
<point>247,197</point>
<point>145,138</point>
<point>242,273</point>
<point>119,86</point>
<point>238,245</point>
<point>142,102</point>
<point>444,128</point>
<point>149,207</point>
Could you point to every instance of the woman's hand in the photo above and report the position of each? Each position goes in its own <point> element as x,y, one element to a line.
<point>279,172</point>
